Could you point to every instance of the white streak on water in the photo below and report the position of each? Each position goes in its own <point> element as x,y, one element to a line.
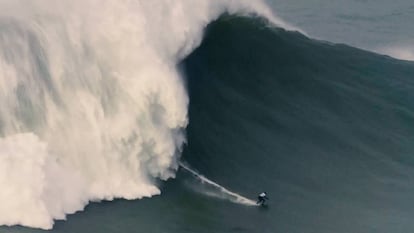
<point>221,192</point>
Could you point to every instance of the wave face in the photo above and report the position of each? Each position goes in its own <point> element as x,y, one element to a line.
<point>92,105</point>
<point>325,129</point>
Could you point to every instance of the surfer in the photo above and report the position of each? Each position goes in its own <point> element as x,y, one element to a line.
<point>262,198</point>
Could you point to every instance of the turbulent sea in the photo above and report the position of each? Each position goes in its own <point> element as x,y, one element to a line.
<point>170,117</point>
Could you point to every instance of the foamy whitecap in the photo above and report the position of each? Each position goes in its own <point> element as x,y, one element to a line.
<point>92,106</point>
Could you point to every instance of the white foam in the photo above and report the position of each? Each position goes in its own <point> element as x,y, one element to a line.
<point>92,106</point>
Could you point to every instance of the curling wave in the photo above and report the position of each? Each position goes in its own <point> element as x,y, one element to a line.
<point>92,105</point>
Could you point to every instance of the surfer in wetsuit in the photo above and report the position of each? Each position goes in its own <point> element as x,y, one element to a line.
<point>262,198</point>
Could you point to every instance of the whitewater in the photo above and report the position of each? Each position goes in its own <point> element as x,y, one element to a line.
<point>92,104</point>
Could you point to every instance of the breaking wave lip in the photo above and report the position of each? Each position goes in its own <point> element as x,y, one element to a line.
<point>92,106</point>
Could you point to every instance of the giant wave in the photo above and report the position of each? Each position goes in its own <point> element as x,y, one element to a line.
<point>92,105</point>
<point>326,129</point>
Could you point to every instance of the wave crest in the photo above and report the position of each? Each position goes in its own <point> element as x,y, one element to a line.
<point>92,105</point>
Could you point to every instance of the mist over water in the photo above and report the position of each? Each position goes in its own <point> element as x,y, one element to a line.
<point>92,106</point>
<point>376,25</point>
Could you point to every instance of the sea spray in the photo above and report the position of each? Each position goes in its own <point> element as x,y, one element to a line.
<point>92,106</point>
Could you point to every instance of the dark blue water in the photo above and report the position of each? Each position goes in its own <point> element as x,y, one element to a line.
<point>325,129</point>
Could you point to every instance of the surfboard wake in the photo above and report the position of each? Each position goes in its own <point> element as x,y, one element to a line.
<point>218,191</point>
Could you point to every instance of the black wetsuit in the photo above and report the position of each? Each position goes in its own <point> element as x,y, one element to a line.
<point>261,199</point>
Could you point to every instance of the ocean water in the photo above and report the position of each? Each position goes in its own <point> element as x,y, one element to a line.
<point>163,116</point>
<point>377,25</point>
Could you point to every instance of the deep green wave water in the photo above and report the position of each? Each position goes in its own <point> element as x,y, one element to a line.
<point>327,130</point>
